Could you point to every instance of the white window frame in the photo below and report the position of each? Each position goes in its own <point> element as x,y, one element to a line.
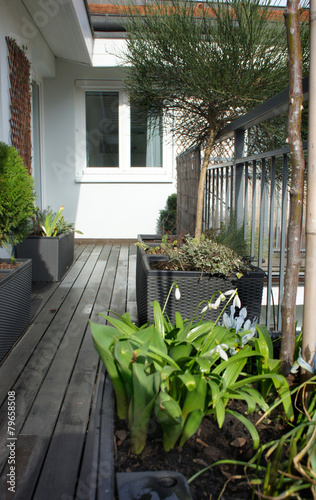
<point>123,173</point>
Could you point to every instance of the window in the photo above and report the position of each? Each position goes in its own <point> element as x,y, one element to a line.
<point>102,129</point>
<point>115,142</point>
<point>146,140</point>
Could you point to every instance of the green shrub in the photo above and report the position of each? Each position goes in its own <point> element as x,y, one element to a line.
<point>16,196</point>
<point>167,221</point>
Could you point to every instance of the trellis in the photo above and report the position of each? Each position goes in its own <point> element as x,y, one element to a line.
<point>20,106</point>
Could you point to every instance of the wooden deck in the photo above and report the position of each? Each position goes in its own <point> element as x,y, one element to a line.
<point>62,437</point>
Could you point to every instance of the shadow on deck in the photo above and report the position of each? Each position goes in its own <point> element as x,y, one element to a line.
<point>61,395</point>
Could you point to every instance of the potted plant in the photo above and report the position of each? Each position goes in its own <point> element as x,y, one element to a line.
<point>50,245</point>
<point>16,207</point>
<point>175,374</point>
<point>199,268</point>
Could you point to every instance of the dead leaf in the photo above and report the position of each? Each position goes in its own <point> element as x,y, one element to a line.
<point>121,435</point>
<point>199,441</point>
<point>200,462</point>
<point>239,442</point>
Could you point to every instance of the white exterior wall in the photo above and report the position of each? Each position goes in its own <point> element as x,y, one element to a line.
<point>107,208</point>
<point>113,206</point>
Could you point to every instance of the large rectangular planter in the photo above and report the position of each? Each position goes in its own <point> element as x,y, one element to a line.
<point>51,256</point>
<point>194,286</point>
<point>15,303</point>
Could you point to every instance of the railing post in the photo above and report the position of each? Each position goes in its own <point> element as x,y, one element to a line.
<point>239,176</point>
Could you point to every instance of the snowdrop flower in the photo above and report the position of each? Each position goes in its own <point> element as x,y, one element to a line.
<point>230,292</point>
<point>177,293</point>
<point>303,364</point>
<point>209,306</point>
<point>216,304</point>
<point>219,349</point>
<point>236,301</point>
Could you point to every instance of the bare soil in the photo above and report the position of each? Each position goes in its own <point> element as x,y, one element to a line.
<point>207,446</point>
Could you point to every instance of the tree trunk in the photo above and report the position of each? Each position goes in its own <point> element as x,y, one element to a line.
<point>309,332</point>
<point>288,306</point>
<point>200,198</point>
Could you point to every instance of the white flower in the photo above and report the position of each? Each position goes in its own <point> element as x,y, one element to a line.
<point>219,349</point>
<point>177,293</point>
<point>236,301</point>
<point>210,306</point>
<point>230,292</point>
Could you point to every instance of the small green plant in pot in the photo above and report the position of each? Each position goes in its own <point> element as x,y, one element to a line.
<point>49,223</point>
<point>16,197</point>
<point>181,372</point>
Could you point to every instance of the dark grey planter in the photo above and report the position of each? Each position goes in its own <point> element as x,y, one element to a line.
<point>51,256</point>
<point>152,484</point>
<point>15,304</point>
<point>194,287</point>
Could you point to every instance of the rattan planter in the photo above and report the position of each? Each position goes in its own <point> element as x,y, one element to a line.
<point>154,285</point>
<point>15,304</point>
<point>51,256</point>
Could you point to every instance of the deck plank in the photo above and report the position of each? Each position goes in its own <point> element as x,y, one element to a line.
<point>62,394</point>
<point>13,365</point>
<point>32,375</point>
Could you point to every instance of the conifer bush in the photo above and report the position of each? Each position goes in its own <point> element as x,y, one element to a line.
<point>17,196</point>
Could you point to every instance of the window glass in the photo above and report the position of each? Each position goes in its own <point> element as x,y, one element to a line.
<point>146,140</point>
<point>102,129</point>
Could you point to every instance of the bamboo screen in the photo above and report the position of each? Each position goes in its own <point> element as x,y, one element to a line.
<point>20,106</point>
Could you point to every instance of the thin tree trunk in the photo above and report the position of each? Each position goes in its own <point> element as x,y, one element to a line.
<point>309,332</point>
<point>200,198</point>
<point>288,307</point>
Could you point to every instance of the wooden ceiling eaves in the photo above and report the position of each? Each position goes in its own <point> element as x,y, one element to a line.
<point>140,10</point>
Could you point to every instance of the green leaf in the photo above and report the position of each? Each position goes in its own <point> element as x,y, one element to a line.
<point>191,425</point>
<point>249,426</point>
<point>188,380</point>
<point>215,392</point>
<point>265,339</point>
<point>123,353</point>
<point>179,320</point>
<point>152,337</point>
<point>169,416</point>
<point>280,384</point>
<point>145,390</point>
<point>120,325</point>
<point>180,351</point>
<point>195,399</point>
<point>100,343</point>
<point>159,319</point>
<point>220,412</point>
<point>204,363</point>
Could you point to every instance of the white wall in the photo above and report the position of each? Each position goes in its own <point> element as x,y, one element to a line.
<point>99,209</point>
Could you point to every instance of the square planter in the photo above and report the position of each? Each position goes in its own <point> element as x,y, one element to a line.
<point>15,303</point>
<point>194,286</point>
<point>51,256</point>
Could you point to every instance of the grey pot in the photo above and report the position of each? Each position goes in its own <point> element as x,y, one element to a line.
<point>194,286</point>
<point>15,304</point>
<point>51,256</point>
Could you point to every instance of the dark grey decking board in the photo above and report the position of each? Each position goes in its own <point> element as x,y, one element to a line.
<point>59,381</point>
<point>13,365</point>
<point>32,376</point>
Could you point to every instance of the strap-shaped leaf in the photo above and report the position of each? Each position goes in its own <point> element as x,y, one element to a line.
<point>249,426</point>
<point>159,319</point>
<point>191,425</point>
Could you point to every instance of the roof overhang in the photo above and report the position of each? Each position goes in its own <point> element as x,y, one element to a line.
<point>65,26</point>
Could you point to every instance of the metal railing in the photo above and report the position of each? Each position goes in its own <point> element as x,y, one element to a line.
<point>255,190</point>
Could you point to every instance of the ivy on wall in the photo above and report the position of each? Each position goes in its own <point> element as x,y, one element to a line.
<point>20,97</point>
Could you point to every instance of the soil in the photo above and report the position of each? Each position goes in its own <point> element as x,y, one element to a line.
<point>9,265</point>
<point>207,446</point>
